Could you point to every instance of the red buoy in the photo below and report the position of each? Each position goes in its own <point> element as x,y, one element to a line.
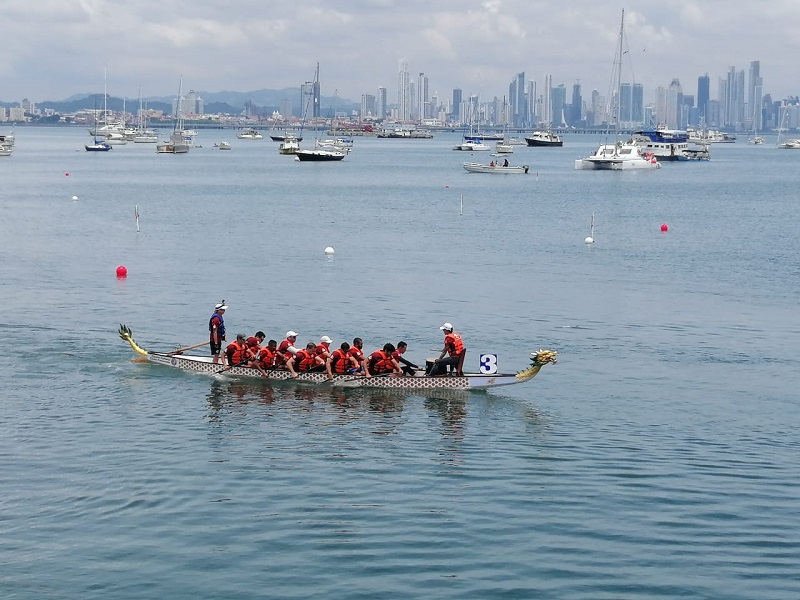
<point>66,174</point>
<point>122,271</point>
<point>664,227</point>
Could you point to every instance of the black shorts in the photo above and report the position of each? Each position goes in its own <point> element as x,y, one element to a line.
<point>215,348</point>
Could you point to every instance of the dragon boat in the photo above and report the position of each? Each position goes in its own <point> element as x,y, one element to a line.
<point>419,381</point>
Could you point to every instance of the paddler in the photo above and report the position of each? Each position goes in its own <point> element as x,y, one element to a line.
<point>286,353</point>
<point>236,351</point>
<point>216,328</point>
<point>407,366</point>
<point>381,362</point>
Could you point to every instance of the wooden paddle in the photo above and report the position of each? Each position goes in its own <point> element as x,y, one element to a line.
<point>182,350</point>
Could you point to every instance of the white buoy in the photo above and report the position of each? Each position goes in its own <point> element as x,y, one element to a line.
<point>329,250</point>
<point>75,198</point>
<point>590,238</point>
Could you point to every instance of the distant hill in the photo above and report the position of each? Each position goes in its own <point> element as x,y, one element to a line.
<point>259,102</point>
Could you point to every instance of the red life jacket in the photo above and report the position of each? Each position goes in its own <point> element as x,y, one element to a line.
<point>236,352</point>
<point>267,358</point>
<point>380,362</point>
<point>305,360</point>
<point>283,356</point>
<point>454,343</point>
<point>340,361</point>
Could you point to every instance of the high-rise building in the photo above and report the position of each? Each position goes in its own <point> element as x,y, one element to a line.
<point>423,97</point>
<point>735,99</point>
<point>456,114</point>
<point>547,101</point>
<point>381,103</point>
<point>754,94</point>
<point>703,85</point>
<point>576,108</point>
<point>637,107</point>
<point>673,103</point>
<point>558,97</point>
<point>530,101</point>
<point>368,106</point>
<point>286,108</point>
<point>625,104</point>
<point>518,107</point>
<point>403,92</point>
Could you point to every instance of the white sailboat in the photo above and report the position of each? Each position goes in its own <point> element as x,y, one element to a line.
<point>177,143</point>
<point>619,156</point>
<point>793,144</point>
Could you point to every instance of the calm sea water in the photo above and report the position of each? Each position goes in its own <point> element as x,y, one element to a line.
<point>657,459</point>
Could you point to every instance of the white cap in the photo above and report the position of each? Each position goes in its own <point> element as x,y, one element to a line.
<point>221,306</point>
<point>291,334</point>
<point>325,340</point>
<point>447,327</point>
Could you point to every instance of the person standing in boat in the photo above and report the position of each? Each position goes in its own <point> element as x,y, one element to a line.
<point>455,349</point>
<point>216,329</point>
<point>407,367</point>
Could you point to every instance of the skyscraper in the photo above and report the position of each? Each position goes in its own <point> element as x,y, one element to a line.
<point>754,93</point>
<point>516,98</point>
<point>637,106</point>
<point>625,104</point>
<point>703,85</point>
<point>423,98</point>
<point>381,103</point>
<point>403,93</point>
<point>456,114</point>
<point>558,97</point>
<point>674,102</point>
<point>576,110</point>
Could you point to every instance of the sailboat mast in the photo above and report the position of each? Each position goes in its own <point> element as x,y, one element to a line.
<point>619,70</point>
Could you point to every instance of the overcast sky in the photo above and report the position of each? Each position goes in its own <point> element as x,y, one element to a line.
<point>53,49</point>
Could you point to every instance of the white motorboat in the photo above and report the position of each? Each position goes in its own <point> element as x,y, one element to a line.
<point>472,145</point>
<point>5,150</point>
<point>790,144</point>
<point>496,168</point>
<point>618,157</point>
<point>223,145</point>
<point>502,147</point>
<point>290,145</point>
<point>249,134</point>
<point>544,138</point>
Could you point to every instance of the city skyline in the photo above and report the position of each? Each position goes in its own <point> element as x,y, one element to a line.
<point>57,50</point>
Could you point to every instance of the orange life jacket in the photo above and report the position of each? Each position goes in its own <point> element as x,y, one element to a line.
<point>305,360</point>
<point>236,352</point>
<point>267,358</point>
<point>380,362</point>
<point>340,361</point>
<point>454,343</point>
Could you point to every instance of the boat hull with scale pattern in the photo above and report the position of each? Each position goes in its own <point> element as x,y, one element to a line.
<point>469,381</point>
